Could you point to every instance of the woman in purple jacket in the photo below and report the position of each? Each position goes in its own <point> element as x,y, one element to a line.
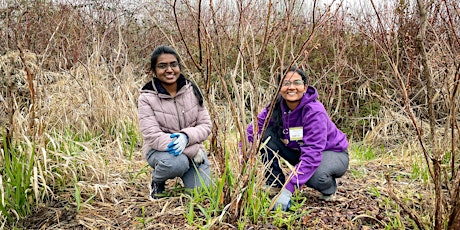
<point>302,133</point>
<point>174,123</point>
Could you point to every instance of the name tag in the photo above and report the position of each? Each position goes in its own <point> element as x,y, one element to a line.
<point>296,133</point>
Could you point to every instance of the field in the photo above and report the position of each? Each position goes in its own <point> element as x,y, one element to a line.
<point>70,73</point>
<point>362,202</point>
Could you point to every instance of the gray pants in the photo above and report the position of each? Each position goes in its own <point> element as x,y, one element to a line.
<point>167,166</point>
<point>333,165</point>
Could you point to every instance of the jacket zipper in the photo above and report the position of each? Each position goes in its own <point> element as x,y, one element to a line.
<point>178,114</point>
<point>286,121</point>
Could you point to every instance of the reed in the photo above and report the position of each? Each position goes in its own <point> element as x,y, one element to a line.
<point>70,75</point>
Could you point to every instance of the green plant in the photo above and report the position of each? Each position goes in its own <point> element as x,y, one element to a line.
<point>286,220</point>
<point>78,197</point>
<point>128,137</point>
<point>374,191</point>
<point>15,182</point>
<point>358,173</point>
<point>362,153</point>
<point>395,223</point>
<point>143,220</point>
<point>207,204</point>
<point>212,195</point>
<point>420,171</point>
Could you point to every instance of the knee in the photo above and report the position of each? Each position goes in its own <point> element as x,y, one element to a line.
<point>198,177</point>
<point>204,175</point>
<point>321,180</point>
<point>325,179</point>
<point>172,167</point>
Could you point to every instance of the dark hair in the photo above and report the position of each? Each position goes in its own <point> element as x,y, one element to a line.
<point>169,50</point>
<point>197,92</point>
<point>159,51</point>
<point>293,69</point>
<point>277,115</point>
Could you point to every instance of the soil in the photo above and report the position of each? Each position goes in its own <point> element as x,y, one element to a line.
<point>361,202</point>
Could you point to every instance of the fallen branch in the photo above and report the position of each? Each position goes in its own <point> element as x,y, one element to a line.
<point>412,215</point>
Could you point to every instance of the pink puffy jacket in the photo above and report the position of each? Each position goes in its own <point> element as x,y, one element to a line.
<point>161,114</point>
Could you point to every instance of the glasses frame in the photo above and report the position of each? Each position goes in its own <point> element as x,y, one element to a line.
<point>165,66</point>
<point>287,83</point>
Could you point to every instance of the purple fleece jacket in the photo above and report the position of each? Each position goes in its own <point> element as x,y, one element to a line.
<point>319,134</point>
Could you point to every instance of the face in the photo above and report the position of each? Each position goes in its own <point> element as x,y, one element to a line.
<point>293,88</point>
<point>167,69</point>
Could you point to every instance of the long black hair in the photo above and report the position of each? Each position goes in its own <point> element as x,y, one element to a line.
<point>169,50</point>
<point>277,116</point>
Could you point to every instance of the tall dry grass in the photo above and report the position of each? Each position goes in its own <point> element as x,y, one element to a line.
<point>87,62</point>
<point>85,134</point>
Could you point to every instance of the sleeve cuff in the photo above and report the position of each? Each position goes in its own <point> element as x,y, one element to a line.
<point>290,187</point>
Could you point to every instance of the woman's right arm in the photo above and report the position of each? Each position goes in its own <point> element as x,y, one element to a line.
<point>153,136</point>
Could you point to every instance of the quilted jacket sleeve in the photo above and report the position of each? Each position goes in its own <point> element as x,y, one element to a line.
<point>198,133</point>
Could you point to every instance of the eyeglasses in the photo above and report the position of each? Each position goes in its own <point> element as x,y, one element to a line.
<point>164,66</point>
<point>297,82</point>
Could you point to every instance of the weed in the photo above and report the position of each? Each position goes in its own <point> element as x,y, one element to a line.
<point>358,173</point>
<point>15,183</point>
<point>143,219</point>
<point>362,153</point>
<point>420,171</point>
<point>77,197</point>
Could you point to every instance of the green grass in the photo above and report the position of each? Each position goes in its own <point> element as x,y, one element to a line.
<point>362,153</point>
<point>374,191</point>
<point>61,164</point>
<point>128,136</point>
<point>15,182</point>
<point>210,205</point>
<point>358,172</point>
<point>68,165</point>
<point>144,220</point>
<point>420,172</point>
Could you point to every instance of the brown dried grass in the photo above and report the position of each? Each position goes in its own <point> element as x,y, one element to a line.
<point>98,95</point>
<point>91,99</point>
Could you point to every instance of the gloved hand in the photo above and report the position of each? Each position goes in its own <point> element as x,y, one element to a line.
<point>283,200</point>
<point>199,157</point>
<point>177,145</point>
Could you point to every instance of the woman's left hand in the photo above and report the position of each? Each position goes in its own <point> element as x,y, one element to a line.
<point>177,145</point>
<point>199,157</point>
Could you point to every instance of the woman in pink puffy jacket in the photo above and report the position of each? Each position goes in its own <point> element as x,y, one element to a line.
<point>174,123</point>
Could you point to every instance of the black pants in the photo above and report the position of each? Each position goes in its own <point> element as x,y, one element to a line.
<point>333,165</point>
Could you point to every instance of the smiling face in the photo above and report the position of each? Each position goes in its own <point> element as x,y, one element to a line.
<point>293,89</point>
<point>167,70</point>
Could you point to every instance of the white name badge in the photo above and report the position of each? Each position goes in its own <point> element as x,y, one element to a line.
<point>296,133</point>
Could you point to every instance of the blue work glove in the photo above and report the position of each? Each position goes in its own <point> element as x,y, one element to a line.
<point>177,145</point>
<point>283,200</point>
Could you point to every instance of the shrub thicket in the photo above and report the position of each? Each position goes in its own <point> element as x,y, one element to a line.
<point>76,67</point>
